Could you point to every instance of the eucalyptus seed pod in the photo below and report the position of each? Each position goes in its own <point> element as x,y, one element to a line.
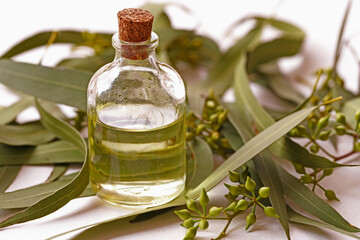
<point>340,118</point>
<point>250,220</point>
<point>191,204</point>
<point>314,148</point>
<point>234,190</point>
<point>323,122</point>
<point>307,178</point>
<point>213,117</point>
<point>203,224</point>
<point>215,211</point>
<point>222,116</point>
<point>211,104</point>
<point>264,192</point>
<point>191,233</point>
<point>242,205</point>
<point>270,212</point>
<point>302,130</point>
<point>330,194</point>
<point>203,199</point>
<point>324,135</point>
<point>299,168</point>
<point>340,130</point>
<point>189,136</point>
<point>188,223</point>
<point>357,116</point>
<point>231,207</point>
<point>328,171</point>
<point>234,176</point>
<point>295,132</point>
<point>200,128</point>
<point>250,184</point>
<point>183,214</point>
<point>215,135</point>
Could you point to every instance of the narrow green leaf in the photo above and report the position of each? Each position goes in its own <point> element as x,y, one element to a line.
<point>251,148</point>
<point>298,218</point>
<point>26,134</point>
<point>273,50</point>
<point>284,148</point>
<point>26,197</point>
<point>7,176</point>
<point>63,195</point>
<point>202,162</point>
<point>57,85</point>
<point>267,171</point>
<point>42,38</point>
<point>55,152</point>
<point>309,201</point>
<point>350,108</point>
<point>286,27</point>
<point>89,64</point>
<point>8,114</point>
<point>58,171</point>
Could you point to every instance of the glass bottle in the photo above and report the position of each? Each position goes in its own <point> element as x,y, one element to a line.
<point>136,116</point>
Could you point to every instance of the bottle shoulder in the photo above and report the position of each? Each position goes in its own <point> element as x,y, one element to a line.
<point>157,84</point>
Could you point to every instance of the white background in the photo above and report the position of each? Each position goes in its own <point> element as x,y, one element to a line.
<point>320,19</point>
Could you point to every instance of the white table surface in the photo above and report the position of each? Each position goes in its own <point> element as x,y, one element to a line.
<point>320,19</point>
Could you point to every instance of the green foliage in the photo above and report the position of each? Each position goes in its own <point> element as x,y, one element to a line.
<point>238,133</point>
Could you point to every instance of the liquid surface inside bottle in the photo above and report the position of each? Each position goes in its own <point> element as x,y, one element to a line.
<point>137,153</point>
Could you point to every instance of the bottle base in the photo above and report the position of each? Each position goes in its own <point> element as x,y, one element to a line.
<point>139,194</point>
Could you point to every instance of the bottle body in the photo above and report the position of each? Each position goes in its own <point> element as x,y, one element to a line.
<point>136,110</point>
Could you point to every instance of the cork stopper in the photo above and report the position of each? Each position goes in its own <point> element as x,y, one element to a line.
<point>135,24</point>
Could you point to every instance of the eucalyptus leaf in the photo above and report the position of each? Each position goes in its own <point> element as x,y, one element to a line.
<point>26,134</point>
<point>26,197</point>
<point>273,50</point>
<point>7,176</point>
<point>298,218</point>
<point>8,114</point>
<point>89,64</point>
<point>202,162</point>
<point>267,171</point>
<point>63,195</point>
<point>309,201</point>
<point>50,153</point>
<point>57,85</point>
<point>42,38</point>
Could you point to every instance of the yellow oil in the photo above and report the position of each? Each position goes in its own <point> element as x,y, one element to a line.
<point>136,161</point>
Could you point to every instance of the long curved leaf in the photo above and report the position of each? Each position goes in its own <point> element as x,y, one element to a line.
<point>62,196</point>
<point>50,153</point>
<point>27,134</point>
<point>57,85</point>
<point>42,38</point>
<point>58,171</point>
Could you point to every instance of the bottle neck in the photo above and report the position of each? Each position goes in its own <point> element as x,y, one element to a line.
<point>138,51</point>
